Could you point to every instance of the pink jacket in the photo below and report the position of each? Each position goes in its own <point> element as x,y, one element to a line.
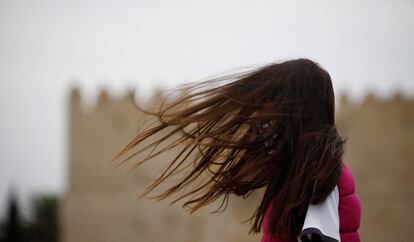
<point>349,211</point>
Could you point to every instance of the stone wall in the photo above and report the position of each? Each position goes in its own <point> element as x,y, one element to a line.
<point>101,200</point>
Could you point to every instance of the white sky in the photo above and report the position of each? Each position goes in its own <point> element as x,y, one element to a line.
<point>46,46</point>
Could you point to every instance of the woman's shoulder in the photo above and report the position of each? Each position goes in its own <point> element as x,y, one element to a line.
<point>349,206</point>
<point>346,184</point>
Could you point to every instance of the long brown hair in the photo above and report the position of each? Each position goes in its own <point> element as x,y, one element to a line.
<point>271,127</point>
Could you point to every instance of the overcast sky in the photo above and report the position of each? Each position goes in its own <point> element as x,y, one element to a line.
<point>47,46</point>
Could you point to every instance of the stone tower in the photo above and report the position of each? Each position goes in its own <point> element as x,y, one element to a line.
<point>101,205</point>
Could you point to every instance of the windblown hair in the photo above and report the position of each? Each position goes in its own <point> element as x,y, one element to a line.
<point>218,120</point>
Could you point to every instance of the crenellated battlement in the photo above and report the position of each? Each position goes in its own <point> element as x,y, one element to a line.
<point>106,101</point>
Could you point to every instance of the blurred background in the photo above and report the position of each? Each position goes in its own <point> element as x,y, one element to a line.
<point>69,70</point>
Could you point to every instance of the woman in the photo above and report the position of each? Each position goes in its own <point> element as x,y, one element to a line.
<point>272,127</point>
